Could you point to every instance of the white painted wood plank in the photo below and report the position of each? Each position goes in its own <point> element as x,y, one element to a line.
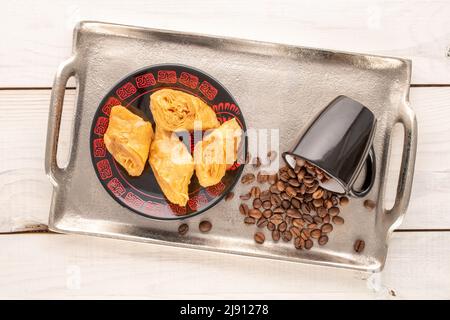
<point>61,266</point>
<point>37,35</point>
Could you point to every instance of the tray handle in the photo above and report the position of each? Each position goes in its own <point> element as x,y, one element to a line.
<point>407,118</point>
<point>65,71</point>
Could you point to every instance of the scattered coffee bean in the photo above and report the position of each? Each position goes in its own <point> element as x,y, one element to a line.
<point>183,229</point>
<point>317,203</point>
<point>271,226</point>
<point>359,245</point>
<point>275,235</point>
<point>249,220</point>
<point>298,243</point>
<point>291,192</point>
<point>278,210</point>
<point>245,196</point>
<point>248,178</point>
<point>295,232</point>
<point>282,226</point>
<point>205,226</point>
<point>286,236</point>
<point>323,240</point>
<point>369,204</point>
<point>316,233</point>
<point>267,213</point>
<point>229,196</point>
<point>243,209</point>
<point>338,220</point>
<point>280,186</point>
<point>275,200</point>
<point>259,237</point>
<point>255,213</point>
<point>305,234</point>
<point>257,203</point>
<point>308,244</point>
<point>317,220</point>
<point>273,178</point>
<point>343,201</point>
<point>293,213</point>
<point>276,219</point>
<point>326,228</point>
<point>255,192</point>
<point>327,219</point>
<point>298,223</point>
<point>308,218</point>
<point>333,211</point>
<point>294,182</point>
<point>261,178</point>
<point>262,222</point>
<point>296,203</point>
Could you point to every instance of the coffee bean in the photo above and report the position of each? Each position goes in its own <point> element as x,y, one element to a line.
<point>275,235</point>
<point>282,226</point>
<point>274,189</point>
<point>291,192</point>
<point>259,237</point>
<point>205,226</point>
<point>312,226</point>
<point>265,195</point>
<point>292,173</point>
<point>278,210</point>
<point>305,208</point>
<point>296,203</point>
<point>276,219</point>
<point>338,220</point>
<point>271,226</point>
<point>301,175</point>
<point>267,213</point>
<point>261,178</point>
<point>243,209</point>
<point>245,196</point>
<point>255,192</point>
<point>285,196</point>
<point>322,212</point>
<point>288,220</point>
<point>316,233</point>
<point>328,204</point>
<point>280,186</point>
<point>294,182</point>
<point>257,163</point>
<point>308,181</point>
<point>275,200</point>
<point>293,213</point>
<point>299,162</point>
<point>262,222</point>
<point>308,244</point>
<point>271,155</point>
<point>327,228</point>
<point>257,203</point>
<point>317,203</point>
<point>323,240</point>
<point>305,234</point>
<point>284,176</point>
<point>369,205</point>
<point>248,178</point>
<point>298,223</point>
<point>327,219</point>
<point>334,200</point>
<point>255,213</point>
<point>285,204</point>
<point>333,211</point>
<point>286,236</point>
<point>183,229</point>
<point>359,246</point>
<point>249,220</point>
<point>273,178</point>
<point>308,218</point>
<point>229,196</point>
<point>317,220</point>
<point>267,204</point>
<point>298,244</point>
<point>295,231</point>
<point>343,201</point>
<point>318,194</point>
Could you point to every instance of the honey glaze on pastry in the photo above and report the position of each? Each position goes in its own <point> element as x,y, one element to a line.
<point>128,139</point>
<point>175,110</point>
<point>217,152</point>
<point>172,165</point>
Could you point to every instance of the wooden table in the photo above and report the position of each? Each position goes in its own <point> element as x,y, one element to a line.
<point>36,37</point>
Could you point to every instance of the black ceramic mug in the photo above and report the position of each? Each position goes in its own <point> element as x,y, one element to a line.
<point>339,141</point>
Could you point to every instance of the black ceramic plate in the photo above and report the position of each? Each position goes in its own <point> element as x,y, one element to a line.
<point>142,194</point>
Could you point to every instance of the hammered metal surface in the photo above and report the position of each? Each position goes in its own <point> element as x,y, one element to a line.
<point>277,86</point>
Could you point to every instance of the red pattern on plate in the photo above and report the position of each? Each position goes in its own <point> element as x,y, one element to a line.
<point>216,189</point>
<point>167,76</point>
<point>177,210</point>
<point>111,102</point>
<point>133,200</point>
<point>101,125</point>
<point>126,91</point>
<point>145,80</point>
<point>116,187</point>
<point>189,80</point>
<point>99,148</point>
<point>208,90</point>
<point>196,202</point>
<point>104,169</point>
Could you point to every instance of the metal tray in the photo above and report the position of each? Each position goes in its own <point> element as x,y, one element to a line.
<point>277,86</point>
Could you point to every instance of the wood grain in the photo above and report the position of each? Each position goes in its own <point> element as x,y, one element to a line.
<point>37,34</point>
<point>62,266</point>
<point>26,192</point>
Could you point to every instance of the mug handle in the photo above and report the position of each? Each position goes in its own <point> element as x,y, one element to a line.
<point>370,176</point>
